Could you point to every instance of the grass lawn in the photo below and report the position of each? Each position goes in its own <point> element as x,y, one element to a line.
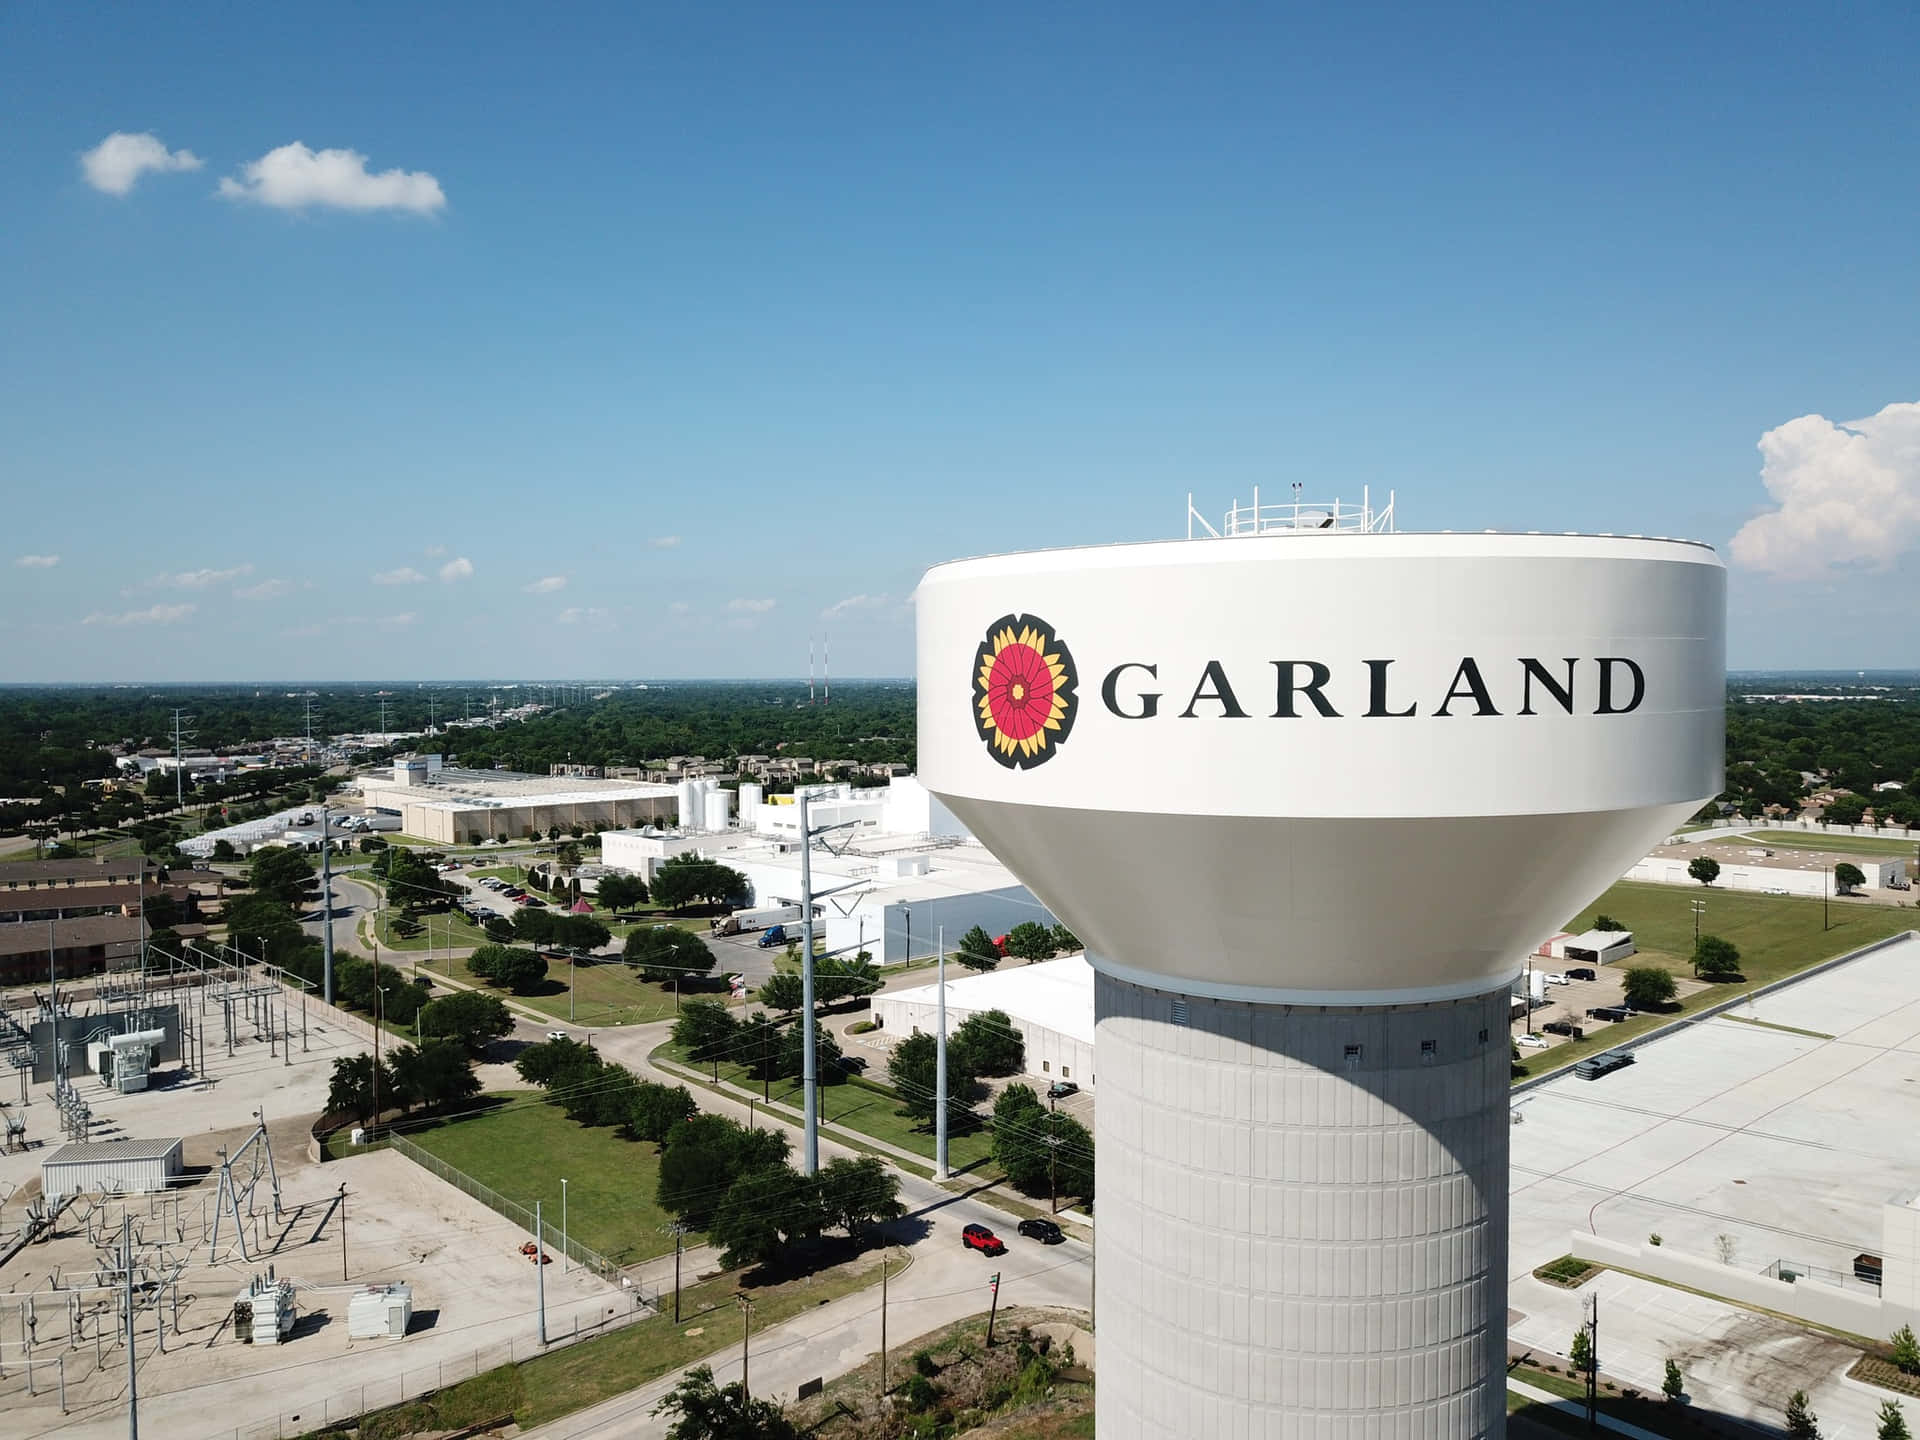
<point>437,932</point>
<point>1778,935</point>
<point>863,1106</point>
<point>1651,1412</point>
<point>606,993</point>
<point>524,1148</point>
<point>1834,844</point>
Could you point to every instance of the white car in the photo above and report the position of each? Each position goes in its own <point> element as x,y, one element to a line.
<point>1531,1042</point>
<point>1558,980</point>
<point>557,1035</point>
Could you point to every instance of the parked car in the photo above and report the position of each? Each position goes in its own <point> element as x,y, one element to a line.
<point>1566,1028</point>
<point>557,1035</point>
<point>1558,980</point>
<point>1061,1089</point>
<point>1531,1042</point>
<point>979,1237</point>
<point>534,900</point>
<point>523,900</point>
<point>1615,1013</point>
<point>1581,972</point>
<point>1045,1231</point>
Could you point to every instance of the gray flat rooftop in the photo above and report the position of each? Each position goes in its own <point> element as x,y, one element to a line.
<point>96,1150</point>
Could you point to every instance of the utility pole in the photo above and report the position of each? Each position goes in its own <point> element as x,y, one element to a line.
<point>883,1325</point>
<point>809,1078</point>
<point>133,1369</point>
<point>564,1263</point>
<point>1592,1306</point>
<point>993,1309</point>
<point>540,1268</point>
<point>326,902</point>
<point>746,1334</point>
<point>343,1232</point>
<point>1826,877</point>
<point>1699,909</point>
<point>940,1067</point>
<point>1053,1154</point>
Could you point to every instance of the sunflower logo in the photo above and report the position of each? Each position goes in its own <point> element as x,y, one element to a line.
<point>1024,686</point>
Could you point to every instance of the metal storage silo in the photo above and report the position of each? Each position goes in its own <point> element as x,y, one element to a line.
<point>719,808</point>
<point>691,804</point>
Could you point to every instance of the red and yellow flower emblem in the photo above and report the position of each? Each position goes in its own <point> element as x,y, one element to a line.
<point>1024,686</point>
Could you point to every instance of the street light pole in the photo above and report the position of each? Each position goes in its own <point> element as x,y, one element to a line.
<point>809,1077</point>
<point>746,1334</point>
<point>563,1225</point>
<point>940,1068</point>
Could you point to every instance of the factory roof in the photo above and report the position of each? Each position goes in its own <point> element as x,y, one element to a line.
<point>95,1150</point>
<point>435,797</point>
<point>1056,995</point>
<point>1764,856</point>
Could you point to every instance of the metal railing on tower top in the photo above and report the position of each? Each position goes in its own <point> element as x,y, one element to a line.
<point>1295,516</point>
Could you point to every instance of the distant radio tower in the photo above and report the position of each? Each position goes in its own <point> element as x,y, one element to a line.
<point>809,669</point>
<point>826,667</point>
<point>309,706</point>
<point>383,720</point>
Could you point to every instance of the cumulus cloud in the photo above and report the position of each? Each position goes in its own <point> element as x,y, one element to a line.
<point>546,585</point>
<point>117,162</point>
<point>152,615</point>
<point>294,178</point>
<point>664,542</point>
<point>400,621</point>
<point>405,575</point>
<point>854,603</point>
<point>582,615</point>
<point>434,552</point>
<point>1848,495</point>
<point>201,579</point>
<point>37,562</point>
<point>265,590</point>
<point>749,607</point>
<point>460,568</point>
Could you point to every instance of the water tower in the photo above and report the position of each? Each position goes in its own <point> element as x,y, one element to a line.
<point>1309,790</point>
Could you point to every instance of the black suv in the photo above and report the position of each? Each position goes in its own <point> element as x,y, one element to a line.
<point>1045,1231</point>
<point>1581,972</point>
<point>1061,1089</point>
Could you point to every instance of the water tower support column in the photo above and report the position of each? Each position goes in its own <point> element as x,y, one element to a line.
<point>1303,1217</point>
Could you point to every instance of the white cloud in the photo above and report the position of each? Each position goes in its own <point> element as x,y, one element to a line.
<point>1848,495</point>
<point>37,562</point>
<point>405,575</point>
<point>456,569</point>
<point>749,607</point>
<point>121,159</point>
<point>679,607</point>
<point>201,579</point>
<point>400,621</point>
<point>265,590</point>
<point>434,552</point>
<point>294,177</point>
<point>582,615</point>
<point>854,603</point>
<point>664,542</point>
<point>546,585</point>
<point>153,615</point>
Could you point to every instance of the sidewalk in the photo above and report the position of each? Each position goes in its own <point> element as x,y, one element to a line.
<point>1579,1412</point>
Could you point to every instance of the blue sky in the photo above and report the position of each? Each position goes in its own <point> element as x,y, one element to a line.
<point>723,321</point>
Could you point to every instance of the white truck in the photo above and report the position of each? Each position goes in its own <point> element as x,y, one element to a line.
<point>745,922</point>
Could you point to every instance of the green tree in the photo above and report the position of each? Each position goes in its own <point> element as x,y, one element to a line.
<point>619,892</point>
<point>911,1071</point>
<point>666,952</point>
<point>1704,868</point>
<point>764,1211</point>
<point>350,1089</point>
<point>1893,1422</point>
<point>539,1064</point>
<point>224,852</point>
<point>656,1109</point>
<point>1713,955</point>
<point>977,950</point>
<point>837,978</point>
<point>703,1156</point>
<point>1065,941</point>
<point>1648,986</point>
<point>826,1053</point>
<point>280,873</point>
<point>702,1410</point>
<point>499,929</point>
<point>1675,1384</point>
<point>990,1042</point>
<point>684,879</point>
<point>1848,877</point>
<point>408,1068</point>
<point>705,1030</point>
<point>859,1193</point>
<point>469,1016</point>
<point>1030,941</point>
<point>1072,1146</point>
<point>1904,1351</point>
<point>1580,1353</point>
<point>1802,1423</point>
<point>262,928</point>
<point>783,990</point>
<point>567,857</point>
<point>1020,1138</point>
<point>1846,810</point>
<point>1604,921</point>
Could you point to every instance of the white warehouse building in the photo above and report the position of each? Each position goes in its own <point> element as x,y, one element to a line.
<point>126,1167</point>
<point>1050,1004</point>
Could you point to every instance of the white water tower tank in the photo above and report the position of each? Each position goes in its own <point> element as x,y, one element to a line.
<point>719,808</point>
<point>691,802</point>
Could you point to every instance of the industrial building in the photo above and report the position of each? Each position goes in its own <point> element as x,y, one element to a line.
<point>464,807</point>
<point>1209,757</point>
<point>123,1167</point>
<point>1750,864</point>
<point>1049,1003</point>
<point>1590,947</point>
